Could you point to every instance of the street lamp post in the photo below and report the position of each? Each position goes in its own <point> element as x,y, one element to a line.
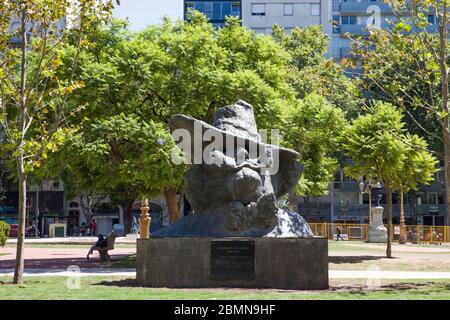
<point>332,211</point>
<point>367,189</point>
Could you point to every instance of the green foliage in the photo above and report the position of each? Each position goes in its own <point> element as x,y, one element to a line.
<point>187,67</point>
<point>380,147</point>
<point>313,129</point>
<point>311,72</point>
<point>401,69</point>
<point>5,229</point>
<point>32,95</point>
<point>125,150</point>
<point>191,68</point>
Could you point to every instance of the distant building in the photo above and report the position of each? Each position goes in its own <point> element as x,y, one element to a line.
<point>425,206</point>
<point>261,15</point>
<point>215,10</point>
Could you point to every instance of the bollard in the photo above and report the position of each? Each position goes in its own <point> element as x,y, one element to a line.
<point>144,220</point>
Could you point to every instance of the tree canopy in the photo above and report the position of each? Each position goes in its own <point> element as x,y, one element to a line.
<point>381,148</point>
<point>314,129</point>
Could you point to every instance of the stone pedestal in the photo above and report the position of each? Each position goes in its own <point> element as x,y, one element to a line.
<point>132,236</point>
<point>377,231</point>
<point>283,263</point>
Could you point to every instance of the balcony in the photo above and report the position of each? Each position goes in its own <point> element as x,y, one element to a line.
<point>362,30</point>
<point>359,29</point>
<point>355,29</point>
<point>353,7</point>
<point>354,72</point>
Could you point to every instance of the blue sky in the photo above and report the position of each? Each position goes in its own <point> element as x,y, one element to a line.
<point>142,13</point>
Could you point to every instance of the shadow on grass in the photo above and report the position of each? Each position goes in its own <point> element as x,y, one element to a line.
<point>128,261</point>
<point>393,288</point>
<point>353,259</point>
<point>118,283</point>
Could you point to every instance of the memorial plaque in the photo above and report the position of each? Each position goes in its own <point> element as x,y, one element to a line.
<point>233,260</point>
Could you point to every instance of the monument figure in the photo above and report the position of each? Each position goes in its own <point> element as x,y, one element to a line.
<point>234,190</point>
<point>377,231</point>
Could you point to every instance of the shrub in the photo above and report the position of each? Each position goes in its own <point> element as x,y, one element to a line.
<point>4,232</point>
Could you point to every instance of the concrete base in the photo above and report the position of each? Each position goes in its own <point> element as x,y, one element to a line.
<point>377,236</point>
<point>132,236</point>
<point>284,263</point>
<point>377,231</point>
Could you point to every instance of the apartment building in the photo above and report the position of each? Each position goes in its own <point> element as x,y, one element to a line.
<point>215,10</point>
<point>345,203</point>
<point>260,16</point>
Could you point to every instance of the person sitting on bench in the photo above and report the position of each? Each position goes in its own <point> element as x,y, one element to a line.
<point>101,242</point>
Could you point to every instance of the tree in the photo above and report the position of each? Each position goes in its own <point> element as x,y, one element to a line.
<point>33,105</point>
<point>125,154</point>
<point>313,129</point>
<point>186,67</point>
<point>407,64</point>
<point>311,72</point>
<point>380,147</point>
<point>418,168</point>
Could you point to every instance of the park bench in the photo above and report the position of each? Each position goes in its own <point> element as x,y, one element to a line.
<point>103,251</point>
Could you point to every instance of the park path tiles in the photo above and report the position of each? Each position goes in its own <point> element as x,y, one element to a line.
<point>58,258</point>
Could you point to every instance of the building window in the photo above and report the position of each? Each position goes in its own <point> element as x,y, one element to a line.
<point>190,6</point>
<point>431,19</point>
<point>315,9</point>
<point>236,8</point>
<point>288,9</point>
<point>258,9</point>
<point>348,20</point>
<point>336,5</point>
<point>208,9</point>
<point>336,47</point>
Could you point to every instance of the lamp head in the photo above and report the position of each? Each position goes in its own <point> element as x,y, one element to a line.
<point>361,187</point>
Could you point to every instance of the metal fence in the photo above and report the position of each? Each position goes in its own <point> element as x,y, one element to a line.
<point>414,233</point>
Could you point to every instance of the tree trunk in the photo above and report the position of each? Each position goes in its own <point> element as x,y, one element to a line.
<point>127,207</point>
<point>402,239</point>
<point>444,96</point>
<point>447,169</point>
<point>170,195</point>
<point>86,205</point>
<point>20,261</point>
<point>389,222</point>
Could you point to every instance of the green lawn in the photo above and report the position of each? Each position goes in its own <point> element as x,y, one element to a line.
<point>54,288</point>
<point>356,246</point>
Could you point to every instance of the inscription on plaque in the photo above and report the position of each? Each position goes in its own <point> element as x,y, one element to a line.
<point>232,260</point>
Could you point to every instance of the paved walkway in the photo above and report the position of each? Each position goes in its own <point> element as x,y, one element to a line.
<point>333,274</point>
<point>71,272</point>
<point>69,240</point>
<point>57,258</point>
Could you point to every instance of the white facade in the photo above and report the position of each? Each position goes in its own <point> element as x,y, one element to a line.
<point>261,15</point>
